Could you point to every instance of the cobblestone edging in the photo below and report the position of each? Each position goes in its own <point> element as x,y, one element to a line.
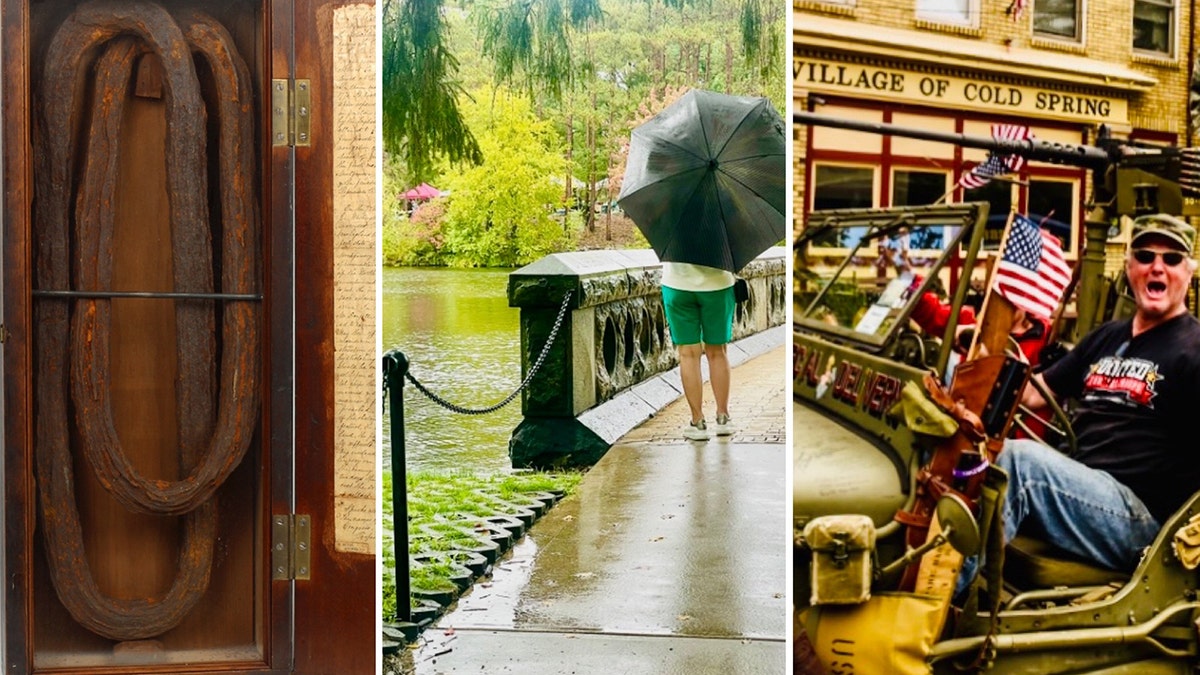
<point>470,544</point>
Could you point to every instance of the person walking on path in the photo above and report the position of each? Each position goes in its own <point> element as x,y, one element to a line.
<point>699,305</point>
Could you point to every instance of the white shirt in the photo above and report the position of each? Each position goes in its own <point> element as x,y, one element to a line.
<point>689,277</point>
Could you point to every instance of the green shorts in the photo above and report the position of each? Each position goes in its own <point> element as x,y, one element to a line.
<point>699,316</point>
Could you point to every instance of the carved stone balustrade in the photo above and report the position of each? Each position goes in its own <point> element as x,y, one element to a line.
<point>612,364</point>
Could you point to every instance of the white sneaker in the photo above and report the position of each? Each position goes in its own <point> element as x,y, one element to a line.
<point>696,431</point>
<point>723,427</point>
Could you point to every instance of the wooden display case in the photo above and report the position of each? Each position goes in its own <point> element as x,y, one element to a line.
<point>170,462</point>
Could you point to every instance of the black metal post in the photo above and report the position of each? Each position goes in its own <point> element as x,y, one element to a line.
<point>395,368</point>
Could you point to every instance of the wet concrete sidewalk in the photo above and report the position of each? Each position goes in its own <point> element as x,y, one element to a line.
<point>670,558</point>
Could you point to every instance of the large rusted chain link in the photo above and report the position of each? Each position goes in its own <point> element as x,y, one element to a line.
<point>89,375</point>
<point>123,30</point>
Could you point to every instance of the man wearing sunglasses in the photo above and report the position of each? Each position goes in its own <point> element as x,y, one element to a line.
<point>1136,382</point>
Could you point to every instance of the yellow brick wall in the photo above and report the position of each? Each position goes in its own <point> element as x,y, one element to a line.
<point>799,157</point>
<point>1107,36</point>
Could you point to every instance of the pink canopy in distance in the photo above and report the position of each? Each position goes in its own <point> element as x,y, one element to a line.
<point>422,191</point>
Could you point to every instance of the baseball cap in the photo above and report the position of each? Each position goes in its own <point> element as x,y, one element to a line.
<point>1167,226</point>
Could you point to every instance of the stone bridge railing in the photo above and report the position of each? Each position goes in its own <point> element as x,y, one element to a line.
<point>611,365</point>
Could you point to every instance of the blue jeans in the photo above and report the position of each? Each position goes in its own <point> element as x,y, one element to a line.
<point>1079,509</point>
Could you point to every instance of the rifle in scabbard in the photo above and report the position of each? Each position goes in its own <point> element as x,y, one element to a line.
<point>983,397</point>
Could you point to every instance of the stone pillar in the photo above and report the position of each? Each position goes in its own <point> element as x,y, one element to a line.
<point>566,383</point>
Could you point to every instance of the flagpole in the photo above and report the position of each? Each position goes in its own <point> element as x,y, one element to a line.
<point>1062,305</point>
<point>994,322</point>
<point>943,197</point>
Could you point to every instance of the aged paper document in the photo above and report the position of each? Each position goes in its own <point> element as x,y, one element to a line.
<point>354,271</point>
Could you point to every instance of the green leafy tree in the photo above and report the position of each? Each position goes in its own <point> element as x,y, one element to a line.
<point>543,47</point>
<point>499,212</point>
<point>533,40</point>
<point>421,119</point>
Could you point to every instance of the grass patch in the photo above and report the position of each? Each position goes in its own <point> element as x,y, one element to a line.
<point>440,506</point>
<point>433,576</point>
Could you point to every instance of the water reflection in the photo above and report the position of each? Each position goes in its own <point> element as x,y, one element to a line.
<point>463,343</point>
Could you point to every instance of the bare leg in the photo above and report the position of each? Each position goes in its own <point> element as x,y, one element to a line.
<point>719,376</point>
<point>693,383</point>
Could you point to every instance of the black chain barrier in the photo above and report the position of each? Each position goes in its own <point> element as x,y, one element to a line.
<point>562,312</point>
<point>395,371</point>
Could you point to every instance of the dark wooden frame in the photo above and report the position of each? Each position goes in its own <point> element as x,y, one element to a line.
<point>279,314</point>
<point>16,366</point>
<point>19,487</point>
<point>319,606</point>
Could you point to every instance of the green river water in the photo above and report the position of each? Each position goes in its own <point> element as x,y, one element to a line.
<point>463,343</point>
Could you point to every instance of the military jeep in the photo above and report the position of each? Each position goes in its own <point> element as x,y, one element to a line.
<point>866,425</point>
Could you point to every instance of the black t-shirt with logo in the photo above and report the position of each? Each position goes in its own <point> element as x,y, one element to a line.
<point>1138,416</point>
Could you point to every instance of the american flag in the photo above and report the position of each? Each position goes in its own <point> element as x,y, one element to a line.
<point>1032,272</point>
<point>997,165</point>
<point>1017,8</point>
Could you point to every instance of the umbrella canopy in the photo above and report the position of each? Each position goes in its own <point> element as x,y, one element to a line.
<point>705,180</point>
<point>422,191</point>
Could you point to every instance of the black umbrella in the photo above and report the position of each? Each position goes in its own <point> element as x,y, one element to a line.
<point>705,180</point>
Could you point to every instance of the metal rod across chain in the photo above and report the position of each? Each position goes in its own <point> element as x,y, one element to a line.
<point>537,364</point>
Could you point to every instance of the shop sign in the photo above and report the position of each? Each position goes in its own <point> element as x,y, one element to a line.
<point>956,92</point>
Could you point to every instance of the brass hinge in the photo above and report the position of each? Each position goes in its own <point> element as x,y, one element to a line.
<point>291,547</point>
<point>291,113</point>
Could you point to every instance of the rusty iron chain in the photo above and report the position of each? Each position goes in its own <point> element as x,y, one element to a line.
<point>105,40</point>
<point>215,434</point>
<point>537,364</point>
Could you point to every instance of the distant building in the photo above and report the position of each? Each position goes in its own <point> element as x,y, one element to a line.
<point>1060,67</point>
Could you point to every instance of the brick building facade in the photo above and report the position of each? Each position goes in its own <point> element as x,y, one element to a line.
<point>1062,68</point>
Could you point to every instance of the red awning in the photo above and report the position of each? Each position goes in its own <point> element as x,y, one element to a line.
<point>422,191</point>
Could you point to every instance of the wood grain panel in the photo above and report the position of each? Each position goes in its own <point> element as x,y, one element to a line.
<point>345,589</point>
<point>19,511</point>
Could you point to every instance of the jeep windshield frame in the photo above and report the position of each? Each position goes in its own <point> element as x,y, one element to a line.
<point>883,321</point>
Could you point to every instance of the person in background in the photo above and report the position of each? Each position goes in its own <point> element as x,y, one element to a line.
<point>929,312</point>
<point>699,306</point>
<point>1031,334</point>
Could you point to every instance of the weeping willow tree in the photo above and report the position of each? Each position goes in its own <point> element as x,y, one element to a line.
<point>533,44</point>
<point>530,41</point>
<point>421,118</point>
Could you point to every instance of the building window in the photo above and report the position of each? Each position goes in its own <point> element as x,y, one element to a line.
<point>1056,18</point>
<point>999,194</point>
<point>947,11</point>
<point>1052,205</point>
<point>1153,26</point>
<point>918,188</point>
<point>842,187</point>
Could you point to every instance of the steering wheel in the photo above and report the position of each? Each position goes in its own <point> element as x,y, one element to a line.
<point>909,348</point>
<point>1059,423</point>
